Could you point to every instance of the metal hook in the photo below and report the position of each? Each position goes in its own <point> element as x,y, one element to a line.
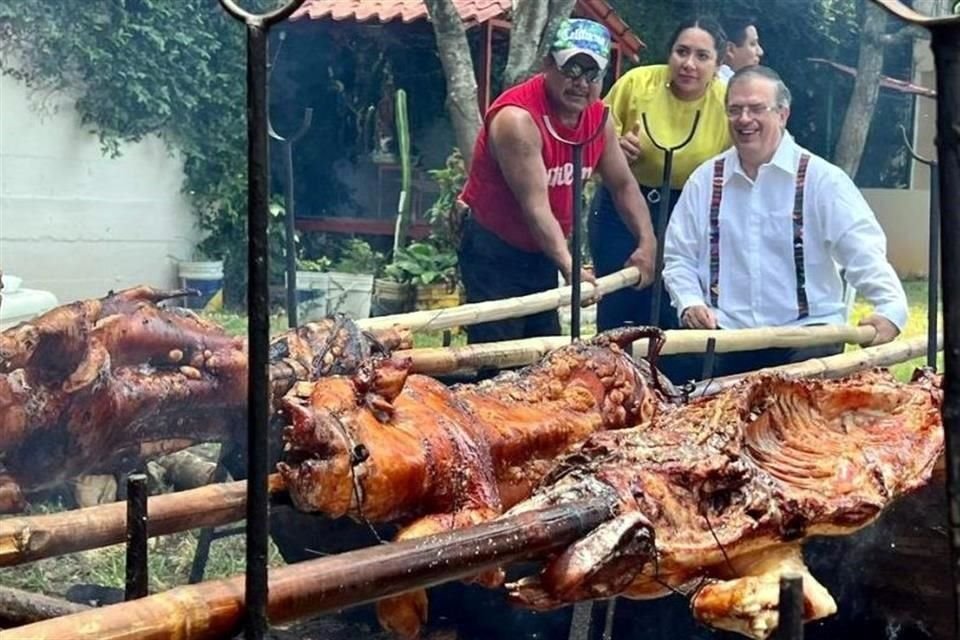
<point>264,19</point>
<point>912,151</point>
<point>686,141</point>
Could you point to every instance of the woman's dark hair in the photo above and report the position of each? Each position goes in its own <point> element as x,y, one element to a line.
<point>709,25</point>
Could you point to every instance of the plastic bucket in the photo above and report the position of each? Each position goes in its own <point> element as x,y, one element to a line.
<point>312,295</point>
<point>391,297</point>
<point>350,294</point>
<point>437,296</point>
<point>205,277</point>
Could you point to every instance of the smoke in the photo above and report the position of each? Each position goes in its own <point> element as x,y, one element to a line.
<point>890,578</point>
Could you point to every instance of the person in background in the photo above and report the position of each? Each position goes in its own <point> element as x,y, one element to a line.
<point>743,47</point>
<point>670,95</point>
<point>519,192</point>
<point>761,231</point>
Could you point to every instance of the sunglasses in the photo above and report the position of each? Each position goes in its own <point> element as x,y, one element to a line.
<point>576,71</point>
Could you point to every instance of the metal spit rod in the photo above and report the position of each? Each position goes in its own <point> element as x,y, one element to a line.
<point>258,309</point>
<point>945,43</point>
<point>289,200</point>
<point>577,146</point>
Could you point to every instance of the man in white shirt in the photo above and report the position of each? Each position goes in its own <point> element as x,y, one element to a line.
<point>760,233</point>
<point>743,47</point>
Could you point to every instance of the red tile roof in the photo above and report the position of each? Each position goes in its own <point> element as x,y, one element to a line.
<point>404,10</point>
<point>475,11</point>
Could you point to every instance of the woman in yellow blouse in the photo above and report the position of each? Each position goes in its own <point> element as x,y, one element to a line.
<point>670,95</point>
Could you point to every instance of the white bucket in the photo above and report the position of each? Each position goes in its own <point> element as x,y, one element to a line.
<point>350,294</point>
<point>312,295</point>
<point>205,276</point>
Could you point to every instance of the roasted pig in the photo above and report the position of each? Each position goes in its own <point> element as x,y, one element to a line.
<point>98,385</point>
<point>383,445</point>
<point>714,498</point>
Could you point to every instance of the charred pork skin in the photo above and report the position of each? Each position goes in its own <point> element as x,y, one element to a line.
<point>715,497</point>
<point>100,385</point>
<point>383,445</point>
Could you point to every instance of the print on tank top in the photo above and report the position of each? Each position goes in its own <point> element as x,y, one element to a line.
<point>562,176</point>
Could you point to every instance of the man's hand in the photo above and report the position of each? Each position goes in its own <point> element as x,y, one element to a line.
<point>886,330</point>
<point>630,143</point>
<point>698,317</point>
<point>644,258</point>
<point>586,276</point>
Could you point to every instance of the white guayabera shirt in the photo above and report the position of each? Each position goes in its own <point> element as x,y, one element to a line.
<point>756,272</point>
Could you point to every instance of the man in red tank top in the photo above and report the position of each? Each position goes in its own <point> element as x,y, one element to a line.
<point>520,187</point>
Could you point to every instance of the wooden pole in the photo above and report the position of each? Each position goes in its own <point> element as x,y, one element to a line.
<point>837,366</point>
<point>214,609</point>
<point>515,353</point>
<point>477,312</point>
<point>19,607</point>
<point>30,538</point>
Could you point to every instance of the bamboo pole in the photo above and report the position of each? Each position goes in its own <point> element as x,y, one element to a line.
<point>837,366</point>
<point>29,538</point>
<point>214,609</point>
<point>515,353</point>
<point>19,607</point>
<point>517,307</point>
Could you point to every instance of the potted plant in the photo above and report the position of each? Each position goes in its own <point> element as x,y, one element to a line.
<point>431,271</point>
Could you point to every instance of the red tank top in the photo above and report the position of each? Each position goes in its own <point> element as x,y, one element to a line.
<point>491,201</point>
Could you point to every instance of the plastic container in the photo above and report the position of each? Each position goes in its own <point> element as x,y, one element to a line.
<point>205,277</point>
<point>21,304</point>
<point>312,295</point>
<point>391,297</point>
<point>350,294</point>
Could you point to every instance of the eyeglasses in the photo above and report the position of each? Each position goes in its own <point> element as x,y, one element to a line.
<point>575,71</point>
<point>753,110</point>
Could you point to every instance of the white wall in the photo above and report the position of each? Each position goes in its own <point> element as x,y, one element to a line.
<point>76,222</point>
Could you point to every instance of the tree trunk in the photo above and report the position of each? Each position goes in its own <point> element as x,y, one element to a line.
<point>534,24</point>
<point>462,100</point>
<point>856,122</point>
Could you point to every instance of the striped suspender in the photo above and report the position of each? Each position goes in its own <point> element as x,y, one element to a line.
<point>715,198</point>
<point>802,307</point>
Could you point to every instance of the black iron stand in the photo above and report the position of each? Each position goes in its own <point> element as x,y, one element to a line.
<point>577,147</point>
<point>790,608</point>
<point>664,216</point>
<point>933,252</point>
<point>289,204</point>
<point>137,572</point>
<point>945,43</point>
<point>258,309</point>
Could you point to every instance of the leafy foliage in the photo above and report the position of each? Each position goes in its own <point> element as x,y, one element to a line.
<point>422,263</point>
<point>150,67</point>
